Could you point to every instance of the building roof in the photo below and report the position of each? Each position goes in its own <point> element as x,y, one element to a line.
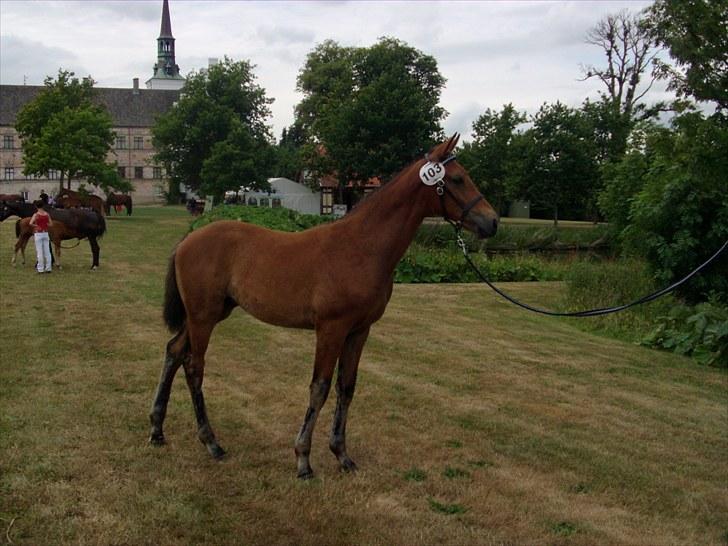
<point>128,107</point>
<point>166,30</point>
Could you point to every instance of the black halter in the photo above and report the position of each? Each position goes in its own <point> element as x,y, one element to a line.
<point>442,189</point>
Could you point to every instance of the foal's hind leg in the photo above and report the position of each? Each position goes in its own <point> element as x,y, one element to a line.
<point>177,350</point>
<point>345,385</point>
<point>199,336</point>
<point>329,341</point>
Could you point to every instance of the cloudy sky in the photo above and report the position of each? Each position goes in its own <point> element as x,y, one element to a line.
<point>492,53</point>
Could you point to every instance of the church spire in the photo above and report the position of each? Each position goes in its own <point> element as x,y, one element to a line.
<point>166,30</point>
<point>166,72</point>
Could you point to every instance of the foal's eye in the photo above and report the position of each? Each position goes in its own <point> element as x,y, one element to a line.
<point>457,178</point>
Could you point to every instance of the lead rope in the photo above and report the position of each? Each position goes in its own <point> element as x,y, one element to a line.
<point>590,312</point>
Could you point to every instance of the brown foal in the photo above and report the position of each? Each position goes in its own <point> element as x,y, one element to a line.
<point>335,279</point>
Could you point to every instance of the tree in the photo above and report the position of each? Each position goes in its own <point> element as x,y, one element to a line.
<point>489,157</point>
<point>63,130</point>
<point>680,215</point>
<point>216,138</point>
<point>368,111</point>
<point>289,158</point>
<point>555,165</point>
<point>629,53</point>
<point>696,34</point>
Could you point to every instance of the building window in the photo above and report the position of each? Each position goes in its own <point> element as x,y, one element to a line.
<point>30,176</point>
<point>8,142</point>
<point>252,202</point>
<point>121,171</point>
<point>138,143</point>
<point>120,142</point>
<point>24,195</point>
<point>264,202</point>
<point>276,202</point>
<point>157,173</point>
<point>138,172</point>
<point>9,173</point>
<point>52,175</point>
<point>327,201</point>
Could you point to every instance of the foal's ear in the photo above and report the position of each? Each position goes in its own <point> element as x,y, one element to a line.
<point>442,151</point>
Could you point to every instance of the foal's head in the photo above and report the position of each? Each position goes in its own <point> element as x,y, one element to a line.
<point>455,196</point>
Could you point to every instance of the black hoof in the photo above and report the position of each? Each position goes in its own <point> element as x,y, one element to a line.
<point>348,466</point>
<point>305,475</point>
<point>157,440</point>
<point>216,451</point>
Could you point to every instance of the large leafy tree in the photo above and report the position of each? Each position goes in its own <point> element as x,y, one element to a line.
<point>216,137</point>
<point>679,217</point>
<point>63,129</point>
<point>696,34</point>
<point>554,163</point>
<point>489,157</point>
<point>367,111</point>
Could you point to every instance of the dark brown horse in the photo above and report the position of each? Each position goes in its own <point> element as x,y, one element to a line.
<point>335,279</point>
<point>118,200</point>
<point>67,224</point>
<point>11,197</point>
<point>68,199</point>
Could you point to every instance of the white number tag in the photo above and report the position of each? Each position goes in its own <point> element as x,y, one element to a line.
<point>431,173</point>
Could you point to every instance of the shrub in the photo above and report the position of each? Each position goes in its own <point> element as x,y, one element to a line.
<point>700,332</point>
<point>281,219</point>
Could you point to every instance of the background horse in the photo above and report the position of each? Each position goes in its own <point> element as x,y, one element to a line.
<point>69,199</point>
<point>117,200</point>
<point>11,197</point>
<point>336,279</point>
<point>18,208</point>
<point>67,224</point>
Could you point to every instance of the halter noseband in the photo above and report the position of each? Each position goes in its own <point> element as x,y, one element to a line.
<point>442,189</point>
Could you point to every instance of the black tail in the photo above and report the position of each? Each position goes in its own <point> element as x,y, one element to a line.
<point>128,206</point>
<point>17,229</point>
<point>174,309</point>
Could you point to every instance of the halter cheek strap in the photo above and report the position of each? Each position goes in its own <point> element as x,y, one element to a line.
<point>442,189</point>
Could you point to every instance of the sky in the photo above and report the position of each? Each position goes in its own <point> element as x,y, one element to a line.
<point>490,52</point>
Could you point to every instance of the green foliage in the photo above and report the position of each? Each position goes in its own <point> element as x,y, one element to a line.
<point>452,473</point>
<point>215,138</point>
<point>700,332</point>
<point>488,158</point>
<point>680,216</point>
<point>280,219</point>
<point>62,129</point>
<point>371,109</point>
<point>415,474</point>
<point>696,34</point>
<point>447,509</point>
<point>555,163</point>
<point>423,265</point>
<point>605,284</point>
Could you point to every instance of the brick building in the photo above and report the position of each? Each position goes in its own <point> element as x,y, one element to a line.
<point>133,111</point>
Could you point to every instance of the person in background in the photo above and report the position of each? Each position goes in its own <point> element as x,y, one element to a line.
<point>44,196</point>
<point>41,222</point>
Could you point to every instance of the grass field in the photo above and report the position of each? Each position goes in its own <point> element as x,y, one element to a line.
<point>473,422</point>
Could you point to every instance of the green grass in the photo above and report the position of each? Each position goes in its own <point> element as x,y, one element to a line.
<point>473,422</point>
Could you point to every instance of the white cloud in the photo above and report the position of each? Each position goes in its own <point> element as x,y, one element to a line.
<point>491,53</point>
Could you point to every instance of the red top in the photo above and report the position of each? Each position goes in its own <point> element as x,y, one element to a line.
<point>41,223</point>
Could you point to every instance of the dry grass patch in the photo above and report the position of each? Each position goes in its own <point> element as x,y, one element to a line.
<point>473,423</point>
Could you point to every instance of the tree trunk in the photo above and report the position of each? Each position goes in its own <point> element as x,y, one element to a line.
<point>61,187</point>
<point>556,217</point>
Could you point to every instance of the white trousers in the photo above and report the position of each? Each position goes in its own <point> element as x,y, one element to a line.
<point>43,251</point>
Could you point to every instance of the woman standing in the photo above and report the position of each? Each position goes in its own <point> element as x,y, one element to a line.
<point>41,221</point>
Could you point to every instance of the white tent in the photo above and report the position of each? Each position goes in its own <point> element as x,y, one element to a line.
<point>291,194</point>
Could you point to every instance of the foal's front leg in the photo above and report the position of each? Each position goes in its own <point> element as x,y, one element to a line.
<point>345,385</point>
<point>329,341</point>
